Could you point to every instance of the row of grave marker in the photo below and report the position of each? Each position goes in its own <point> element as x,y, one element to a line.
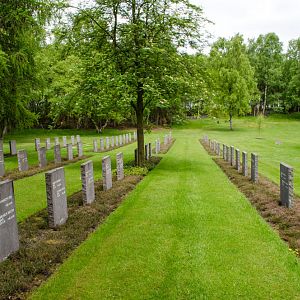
<point>56,199</point>
<point>232,155</point>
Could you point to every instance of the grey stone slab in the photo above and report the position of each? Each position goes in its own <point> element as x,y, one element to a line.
<point>112,141</point>
<point>56,141</point>
<point>42,157</point>
<point>227,153</point>
<point>1,144</point>
<point>237,160</point>
<point>107,143</point>
<point>126,138</point>
<point>79,149</point>
<point>37,143</point>
<point>156,147</point>
<point>120,166</point>
<point>117,141</point>
<point>232,155</point>
<point>70,152</point>
<point>65,142</point>
<point>9,236</point>
<point>13,147</point>
<point>101,144</point>
<point>106,173</point>
<point>286,185</point>
<point>56,197</point>
<point>147,151</point>
<point>130,137</point>
<point>2,165</point>
<point>158,141</point>
<point>245,163</point>
<point>165,140</point>
<point>134,136</point>
<point>78,138</point>
<point>57,154</point>
<point>150,150</point>
<point>87,179</point>
<point>254,167</point>
<point>224,151</point>
<point>95,145</point>
<point>136,156</point>
<point>22,160</point>
<point>72,140</point>
<point>121,140</point>
<point>48,143</point>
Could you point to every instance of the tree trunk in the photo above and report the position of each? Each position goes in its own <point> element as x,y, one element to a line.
<point>265,100</point>
<point>230,121</point>
<point>140,124</point>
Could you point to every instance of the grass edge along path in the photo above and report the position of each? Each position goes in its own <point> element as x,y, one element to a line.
<point>185,232</point>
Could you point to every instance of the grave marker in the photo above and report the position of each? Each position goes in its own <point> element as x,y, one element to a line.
<point>56,141</point>
<point>254,167</point>
<point>150,150</point>
<point>237,160</point>
<point>112,141</point>
<point>95,145</point>
<point>107,143</point>
<point>106,173</point>
<point>134,135</point>
<point>245,163</point>
<point>121,140</point>
<point>37,143</point>
<point>1,144</point>
<point>147,152</point>
<point>2,166</point>
<point>9,236</point>
<point>126,138</point>
<point>56,197</point>
<point>231,155</point>
<point>101,144</point>
<point>79,149</point>
<point>72,140</point>
<point>224,151</point>
<point>87,179</point>
<point>22,160</point>
<point>120,166</point>
<point>117,141</point>
<point>42,157</point>
<point>78,139</point>
<point>69,152</point>
<point>48,144</point>
<point>57,154</point>
<point>65,141</point>
<point>13,147</point>
<point>286,185</point>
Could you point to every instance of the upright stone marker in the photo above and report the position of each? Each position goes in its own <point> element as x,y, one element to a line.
<point>1,144</point>
<point>57,154</point>
<point>150,150</point>
<point>286,185</point>
<point>48,144</point>
<point>9,237</point>
<point>227,153</point>
<point>56,141</point>
<point>106,173</point>
<point>79,149</point>
<point>72,140</point>
<point>37,143</point>
<point>22,160</point>
<point>78,138</point>
<point>121,140</point>
<point>156,147</point>
<point>232,155</point>
<point>254,167</point>
<point>70,151</point>
<point>65,141</point>
<point>117,141</point>
<point>95,145</point>
<point>107,143</point>
<point>147,151</point>
<point>245,163</point>
<point>126,138</point>
<point>158,140</point>
<point>101,144</point>
<point>120,166</point>
<point>134,135</point>
<point>166,140</point>
<point>224,151</point>
<point>13,147</point>
<point>112,141</point>
<point>56,197</point>
<point>237,160</point>
<point>87,179</point>
<point>2,166</point>
<point>42,157</point>
<point>129,136</point>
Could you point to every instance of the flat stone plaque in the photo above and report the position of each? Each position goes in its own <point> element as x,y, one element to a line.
<point>37,143</point>
<point>70,151</point>
<point>254,167</point>
<point>42,157</point>
<point>57,154</point>
<point>13,147</point>
<point>9,237</point>
<point>2,166</point>
<point>87,179</point>
<point>286,185</point>
<point>56,197</point>
<point>106,173</point>
<point>22,160</point>
<point>120,166</point>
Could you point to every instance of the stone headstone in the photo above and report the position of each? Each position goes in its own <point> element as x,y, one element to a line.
<point>87,179</point>
<point>72,140</point>
<point>166,140</point>
<point>224,151</point>
<point>237,160</point>
<point>65,141</point>
<point>57,154</point>
<point>13,147</point>
<point>22,160</point>
<point>78,139</point>
<point>112,141</point>
<point>219,149</point>
<point>134,135</point>
<point>126,138</point>
<point>254,167</point>
<point>9,237</point>
<point>106,173</point>
<point>1,144</point>
<point>245,163</point>
<point>117,141</point>
<point>150,150</point>
<point>101,144</point>
<point>37,143</point>
<point>70,152</point>
<point>156,147</point>
<point>56,141</point>
<point>42,157</point>
<point>2,166</point>
<point>147,151</point>
<point>136,156</point>
<point>95,145</point>
<point>48,144</point>
<point>107,143</point>
<point>56,197</point>
<point>227,153</point>
<point>121,140</point>
<point>130,137</point>
<point>79,149</point>
<point>286,185</point>
<point>120,166</point>
<point>232,155</point>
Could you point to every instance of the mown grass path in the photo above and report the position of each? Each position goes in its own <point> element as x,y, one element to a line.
<point>185,232</point>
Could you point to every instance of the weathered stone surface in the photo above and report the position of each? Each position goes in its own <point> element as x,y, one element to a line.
<point>126,138</point>
<point>9,237</point>
<point>134,136</point>
<point>254,167</point>
<point>78,138</point>
<point>121,140</point>
<point>112,141</point>
<point>37,143</point>
<point>245,163</point>
<point>237,160</point>
<point>150,150</point>
<point>56,197</point>
<point>106,173</point>
<point>117,141</point>
<point>227,153</point>
<point>147,151</point>
<point>101,144</point>
<point>79,149</point>
<point>87,179</point>
<point>95,145</point>
<point>65,141</point>
<point>158,141</point>
<point>56,141</point>
<point>22,160</point>
<point>286,185</point>
<point>70,152</point>
<point>129,137</point>
<point>42,157</point>
<point>232,155</point>
<point>57,154</point>
<point>1,144</point>
<point>107,143</point>
<point>72,140</point>
<point>2,166</point>
<point>224,151</point>
<point>120,166</point>
<point>156,147</point>
<point>48,144</point>
<point>13,147</point>
<point>136,156</point>
<point>165,140</point>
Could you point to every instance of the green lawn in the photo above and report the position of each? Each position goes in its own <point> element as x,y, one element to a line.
<point>185,232</point>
